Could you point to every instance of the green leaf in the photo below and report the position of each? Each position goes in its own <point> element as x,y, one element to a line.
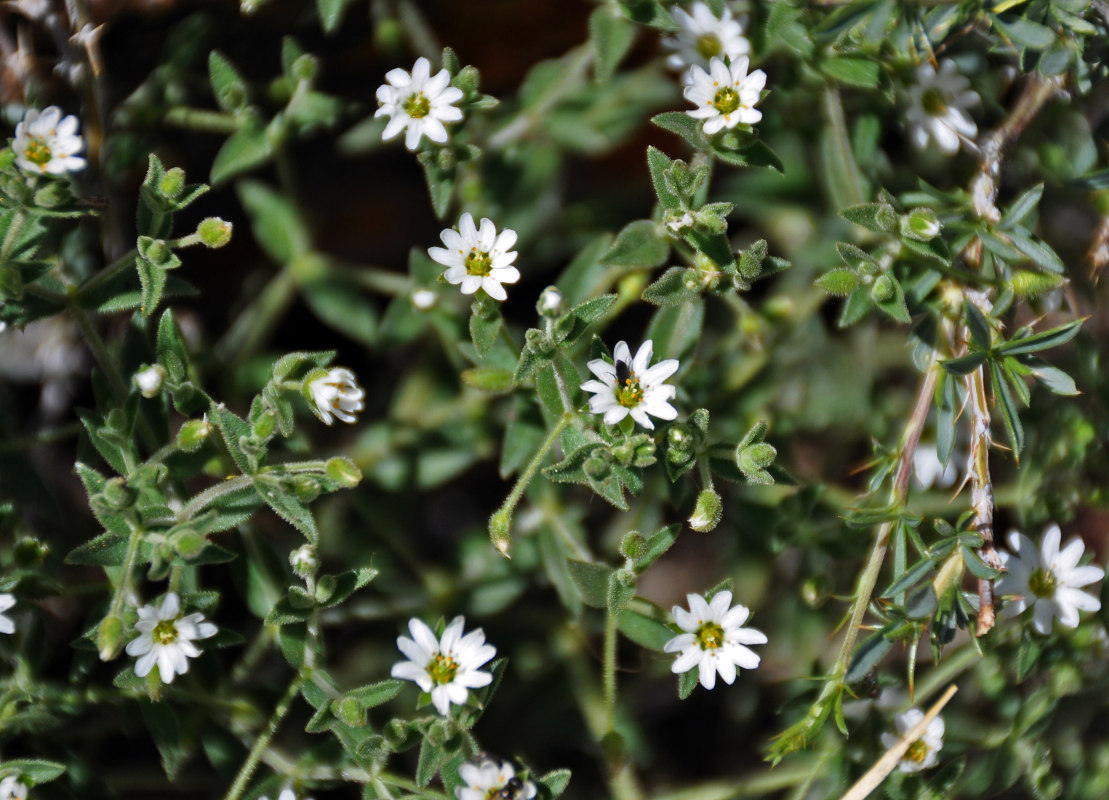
<point>228,85</point>
<point>657,543</point>
<point>376,694</point>
<point>233,429</point>
<point>1020,212</point>
<point>879,217</point>
<point>161,720</point>
<point>860,72</point>
<point>909,577</point>
<point>1025,32</point>
<point>106,550</point>
<point>33,770</point>
<point>977,567</point>
<point>342,306</point>
<point>868,655</point>
<point>432,758</point>
<point>1041,341</point>
<point>170,348</point>
<point>964,365</point>
<point>1008,408</point>
<point>485,324</point>
<point>840,281</point>
<point>895,306</point>
<point>676,329</point>
<point>488,379</point>
<point>331,13</point>
<point>639,244</point>
<point>645,631</point>
<point>592,580</point>
<point>980,332</point>
<point>657,164</point>
<point>153,280</point>
<point>920,602</point>
<point>1055,379</point>
<point>685,126</point>
<point>1039,252</point>
<point>248,147</point>
<point>670,289</point>
<point>687,682</point>
<point>619,592</point>
<point>287,507</point>
<point>275,221</point>
<point>611,34</point>
<point>555,782</point>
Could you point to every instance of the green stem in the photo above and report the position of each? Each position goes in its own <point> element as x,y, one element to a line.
<point>99,351</point>
<point>199,119</point>
<point>263,741</point>
<point>761,783</point>
<point>213,493</point>
<point>124,262</point>
<point>608,676</point>
<point>128,567</point>
<point>852,188</point>
<point>573,76</point>
<point>254,324</point>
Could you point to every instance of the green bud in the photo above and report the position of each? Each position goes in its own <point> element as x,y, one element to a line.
<point>538,342</point>
<point>921,224</point>
<point>882,291</point>
<point>187,543</point>
<point>814,591</point>
<point>550,303</point>
<point>706,511</point>
<point>11,284</point>
<point>500,530</point>
<point>398,734</point>
<point>116,495</point>
<point>632,545</point>
<point>109,638</point>
<point>753,459</point>
<point>172,183</point>
<point>350,711</point>
<point>644,455</point>
<point>306,67</point>
<point>304,561</point>
<point>30,552</point>
<point>192,435</point>
<point>149,380</point>
<point>265,425</point>
<point>156,251</point>
<point>389,34</point>
<point>52,195</point>
<point>343,471</point>
<point>681,438</point>
<point>468,80</point>
<point>596,468</point>
<point>623,454</point>
<point>446,158</point>
<point>436,734</point>
<point>1026,283</point>
<point>626,577</point>
<point>839,282</point>
<point>214,232</point>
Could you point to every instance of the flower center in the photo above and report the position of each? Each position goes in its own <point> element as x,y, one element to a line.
<point>417,105</point>
<point>1042,582</point>
<point>478,263</point>
<point>165,632</point>
<point>37,152</point>
<point>726,100</point>
<point>710,636</point>
<point>918,751</point>
<point>442,669</point>
<point>630,394</point>
<point>933,101</point>
<point>708,45</point>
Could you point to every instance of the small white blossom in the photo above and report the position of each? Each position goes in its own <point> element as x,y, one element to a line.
<point>7,624</point>
<point>725,96</point>
<point>677,223</point>
<point>166,638</point>
<point>631,386</point>
<point>924,751</point>
<point>447,668</point>
<point>12,788</point>
<point>938,104</point>
<point>336,392</point>
<point>929,471</point>
<point>1048,579</point>
<point>714,640</point>
<point>149,380</point>
<point>478,258</point>
<point>424,299</point>
<point>45,141</point>
<point>704,36</point>
<point>488,777</point>
<point>419,102</point>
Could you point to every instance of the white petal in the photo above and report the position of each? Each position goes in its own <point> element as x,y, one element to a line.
<point>1041,617</point>
<point>708,671</point>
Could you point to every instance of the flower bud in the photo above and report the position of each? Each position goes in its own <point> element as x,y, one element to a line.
<point>304,561</point>
<point>30,552</point>
<point>707,511</point>
<point>436,734</point>
<point>632,545</point>
<point>350,711</point>
<point>1026,283</point>
<point>536,341</point>
<point>343,471</point>
<point>172,183</point>
<point>149,380</point>
<point>550,302</point>
<point>398,734</point>
<point>187,543</point>
<point>921,224</point>
<point>192,435</point>
<point>264,426</point>
<point>306,67</point>
<point>155,251</point>
<point>214,232</point>
<point>882,291</point>
<point>109,638</point>
<point>52,195</point>
<point>500,530</point>
<point>305,488</point>
<point>424,299</point>
<point>644,454</point>
<point>677,223</point>
<point>623,453</point>
<point>117,495</point>
<point>596,468</point>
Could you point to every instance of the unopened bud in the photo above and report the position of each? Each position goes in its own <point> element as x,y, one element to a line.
<point>30,552</point>
<point>265,424</point>
<point>192,435</point>
<point>172,183</point>
<point>304,561</point>
<point>214,232</point>
<point>1026,283</point>
<point>306,67</point>
<point>436,734</point>
<point>117,495</point>
<point>882,291</point>
<point>550,302</point>
<point>632,545</point>
<point>921,224</point>
<point>350,711</point>
<point>343,471</point>
<point>707,511</point>
<point>149,380</point>
<point>424,299</point>
<point>500,530</point>
<point>187,543</point>
<point>596,467</point>
<point>155,251</point>
<point>109,638</point>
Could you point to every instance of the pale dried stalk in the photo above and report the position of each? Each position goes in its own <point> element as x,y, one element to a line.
<point>874,776</point>
<point>981,492</point>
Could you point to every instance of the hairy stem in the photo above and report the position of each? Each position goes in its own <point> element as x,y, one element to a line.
<point>263,741</point>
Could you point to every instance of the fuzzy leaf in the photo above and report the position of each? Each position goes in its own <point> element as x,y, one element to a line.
<point>645,631</point>
<point>611,34</point>
<point>639,244</point>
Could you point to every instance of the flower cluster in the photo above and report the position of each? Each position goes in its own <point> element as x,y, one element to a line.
<point>725,96</point>
<point>1048,580</point>
<point>166,638</point>
<point>938,104</point>
<point>418,103</point>
<point>631,386</point>
<point>702,36</point>
<point>478,257</point>
<point>46,142</point>
<point>447,667</point>
<point>714,639</point>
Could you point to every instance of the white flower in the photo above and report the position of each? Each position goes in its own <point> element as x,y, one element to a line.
<point>286,794</point>
<point>714,640</point>
<point>937,107</point>
<point>419,102</point>
<point>7,624</point>
<point>1048,579</point>
<point>923,752</point>
<point>478,258</point>
<point>149,380</point>
<point>703,36</point>
<point>486,778</point>
<point>335,392</point>
<point>424,299</point>
<point>45,141</point>
<point>12,788</point>
<point>630,386</point>
<point>724,96</point>
<point>447,667</point>
<point>929,471</point>
<point>166,638</point>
